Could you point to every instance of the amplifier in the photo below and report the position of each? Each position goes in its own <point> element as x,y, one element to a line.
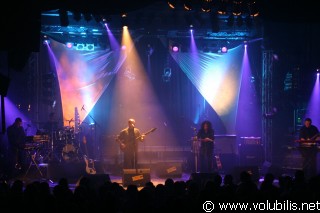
<point>138,177</point>
<point>251,140</point>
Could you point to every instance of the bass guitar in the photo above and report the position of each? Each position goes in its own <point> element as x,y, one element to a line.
<point>123,145</point>
<point>89,162</point>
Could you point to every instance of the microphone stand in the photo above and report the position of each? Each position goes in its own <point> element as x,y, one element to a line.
<point>95,131</point>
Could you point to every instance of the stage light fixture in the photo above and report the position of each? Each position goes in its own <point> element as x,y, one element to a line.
<point>222,7</point>
<point>124,20</point>
<point>172,4</point>
<point>206,5</point>
<point>69,45</point>
<point>90,47</point>
<point>245,43</point>
<point>253,8</point>
<point>175,48</point>
<point>237,7</point>
<point>224,49</point>
<point>318,72</point>
<point>46,41</point>
<point>187,5</point>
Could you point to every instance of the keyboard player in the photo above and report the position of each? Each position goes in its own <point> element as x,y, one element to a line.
<point>308,136</point>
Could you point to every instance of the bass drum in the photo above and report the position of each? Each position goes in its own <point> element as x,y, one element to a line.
<point>69,153</point>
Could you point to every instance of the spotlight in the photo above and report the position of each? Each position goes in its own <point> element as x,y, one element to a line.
<point>124,20</point>
<point>172,4</point>
<point>245,43</point>
<point>175,48</point>
<point>187,5</point>
<point>46,41</point>
<point>69,45</point>
<point>237,7</point>
<point>253,8</point>
<point>206,6</point>
<point>222,7</point>
<point>191,28</point>
<point>224,49</point>
<point>318,72</point>
<point>123,47</point>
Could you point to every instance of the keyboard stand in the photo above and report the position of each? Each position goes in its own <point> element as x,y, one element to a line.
<point>32,155</point>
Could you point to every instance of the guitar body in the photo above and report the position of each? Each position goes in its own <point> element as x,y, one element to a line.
<point>218,162</point>
<point>90,166</point>
<point>89,162</point>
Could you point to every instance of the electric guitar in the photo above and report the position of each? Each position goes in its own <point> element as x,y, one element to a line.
<point>89,162</point>
<point>121,142</point>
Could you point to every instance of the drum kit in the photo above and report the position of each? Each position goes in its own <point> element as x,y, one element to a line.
<point>60,145</point>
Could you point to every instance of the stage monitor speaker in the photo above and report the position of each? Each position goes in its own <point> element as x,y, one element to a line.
<point>168,169</point>
<point>252,170</point>
<point>202,178</point>
<point>138,177</point>
<point>95,181</point>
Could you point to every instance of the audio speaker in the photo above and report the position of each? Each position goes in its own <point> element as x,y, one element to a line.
<point>168,169</point>
<point>251,155</point>
<point>202,178</point>
<point>94,181</point>
<point>138,177</point>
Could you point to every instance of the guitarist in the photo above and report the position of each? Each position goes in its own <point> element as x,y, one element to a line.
<point>129,139</point>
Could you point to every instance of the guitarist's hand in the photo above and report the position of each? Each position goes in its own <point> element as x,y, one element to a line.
<point>142,137</point>
<point>122,146</point>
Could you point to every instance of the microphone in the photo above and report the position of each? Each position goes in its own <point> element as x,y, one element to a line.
<point>82,108</point>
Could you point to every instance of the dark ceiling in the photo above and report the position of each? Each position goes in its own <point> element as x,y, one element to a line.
<point>21,22</point>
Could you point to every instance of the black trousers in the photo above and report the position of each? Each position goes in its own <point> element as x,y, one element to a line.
<point>206,157</point>
<point>130,158</point>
